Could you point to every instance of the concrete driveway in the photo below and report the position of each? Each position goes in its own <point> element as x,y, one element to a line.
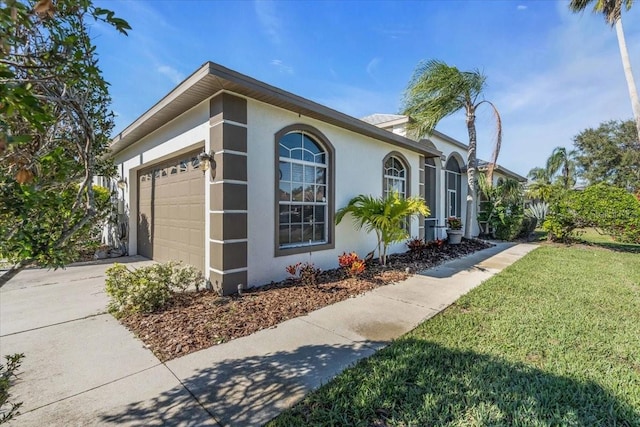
<point>82,367</point>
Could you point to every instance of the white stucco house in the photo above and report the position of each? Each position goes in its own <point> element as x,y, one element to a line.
<point>242,179</point>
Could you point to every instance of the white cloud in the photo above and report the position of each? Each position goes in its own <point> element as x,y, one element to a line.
<point>281,66</point>
<point>521,7</point>
<point>372,66</point>
<point>271,24</point>
<point>174,75</point>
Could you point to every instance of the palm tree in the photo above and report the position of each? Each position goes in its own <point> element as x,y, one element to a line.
<point>387,216</point>
<point>562,161</point>
<point>612,11</point>
<point>498,199</point>
<point>436,91</point>
<point>540,187</point>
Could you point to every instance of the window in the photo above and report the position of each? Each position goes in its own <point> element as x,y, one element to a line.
<point>395,176</point>
<point>453,187</point>
<point>304,205</point>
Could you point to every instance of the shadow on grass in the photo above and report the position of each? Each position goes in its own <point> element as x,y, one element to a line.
<point>243,391</point>
<point>412,382</point>
<point>614,246</point>
<point>415,382</point>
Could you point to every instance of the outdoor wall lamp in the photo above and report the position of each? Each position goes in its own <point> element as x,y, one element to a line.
<point>122,183</point>
<point>205,161</point>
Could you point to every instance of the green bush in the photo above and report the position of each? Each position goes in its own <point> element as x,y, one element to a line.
<point>32,219</point>
<point>9,410</point>
<point>610,209</point>
<point>527,227</point>
<point>509,227</point>
<point>149,288</point>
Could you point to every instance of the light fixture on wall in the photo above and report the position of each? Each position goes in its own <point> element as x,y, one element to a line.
<point>122,183</point>
<point>205,161</point>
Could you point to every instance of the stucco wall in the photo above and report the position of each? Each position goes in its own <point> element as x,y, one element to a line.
<point>187,132</point>
<point>358,161</point>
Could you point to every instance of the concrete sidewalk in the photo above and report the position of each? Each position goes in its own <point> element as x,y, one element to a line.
<point>84,368</point>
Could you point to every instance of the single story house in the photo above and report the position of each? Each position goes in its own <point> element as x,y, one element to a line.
<point>242,179</point>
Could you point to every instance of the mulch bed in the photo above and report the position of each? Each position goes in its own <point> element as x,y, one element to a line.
<point>197,320</point>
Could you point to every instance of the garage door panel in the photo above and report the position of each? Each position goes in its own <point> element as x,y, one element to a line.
<point>171,211</point>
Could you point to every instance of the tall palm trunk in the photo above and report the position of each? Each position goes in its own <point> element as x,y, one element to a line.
<point>471,172</point>
<point>626,64</point>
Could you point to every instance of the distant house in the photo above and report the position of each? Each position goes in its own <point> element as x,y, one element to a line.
<point>445,182</point>
<point>242,179</point>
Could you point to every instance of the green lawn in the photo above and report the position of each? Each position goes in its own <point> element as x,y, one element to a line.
<point>591,236</point>
<point>553,340</point>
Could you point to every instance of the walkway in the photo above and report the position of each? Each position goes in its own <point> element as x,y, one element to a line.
<point>83,368</point>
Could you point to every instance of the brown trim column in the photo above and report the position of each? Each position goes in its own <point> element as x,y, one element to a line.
<point>228,193</point>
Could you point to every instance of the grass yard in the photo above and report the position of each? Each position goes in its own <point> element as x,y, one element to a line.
<point>591,236</point>
<point>553,340</point>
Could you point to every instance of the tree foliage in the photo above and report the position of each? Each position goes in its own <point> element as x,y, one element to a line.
<point>438,90</point>
<point>610,153</point>
<point>561,164</point>
<point>54,128</point>
<point>386,216</point>
<point>502,207</point>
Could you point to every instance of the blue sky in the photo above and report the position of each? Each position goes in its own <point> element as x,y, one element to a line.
<point>551,73</point>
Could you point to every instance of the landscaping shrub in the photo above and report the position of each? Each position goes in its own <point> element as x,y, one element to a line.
<point>537,211</point>
<point>612,210</point>
<point>509,227</point>
<point>8,410</point>
<point>527,227</point>
<point>609,209</point>
<point>386,216</point>
<point>416,246</point>
<point>352,264</point>
<point>561,219</point>
<point>306,273</point>
<point>149,288</point>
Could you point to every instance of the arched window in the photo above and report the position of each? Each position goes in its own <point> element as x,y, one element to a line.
<point>395,176</point>
<point>304,192</point>
<point>453,186</point>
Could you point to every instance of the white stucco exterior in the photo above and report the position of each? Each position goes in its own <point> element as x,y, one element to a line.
<point>358,164</point>
<point>238,132</point>
<point>187,132</point>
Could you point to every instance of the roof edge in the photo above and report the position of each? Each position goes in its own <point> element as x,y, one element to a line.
<point>214,77</point>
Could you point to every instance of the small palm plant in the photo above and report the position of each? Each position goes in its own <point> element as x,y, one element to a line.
<point>386,216</point>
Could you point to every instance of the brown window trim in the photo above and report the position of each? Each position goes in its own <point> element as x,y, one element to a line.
<point>322,139</point>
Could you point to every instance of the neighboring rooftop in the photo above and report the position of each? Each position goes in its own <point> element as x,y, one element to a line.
<point>378,119</point>
<point>386,120</point>
<point>483,165</point>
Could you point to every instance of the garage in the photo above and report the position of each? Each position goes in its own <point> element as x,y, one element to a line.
<point>171,211</point>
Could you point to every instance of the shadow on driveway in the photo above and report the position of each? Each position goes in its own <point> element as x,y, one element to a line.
<point>252,390</point>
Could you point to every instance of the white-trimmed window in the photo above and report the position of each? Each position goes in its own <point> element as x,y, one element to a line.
<point>395,177</point>
<point>302,191</point>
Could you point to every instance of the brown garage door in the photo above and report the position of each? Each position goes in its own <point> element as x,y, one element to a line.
<point>171,211</point>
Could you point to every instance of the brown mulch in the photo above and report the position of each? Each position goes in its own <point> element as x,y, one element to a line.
<point>197,320</point>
